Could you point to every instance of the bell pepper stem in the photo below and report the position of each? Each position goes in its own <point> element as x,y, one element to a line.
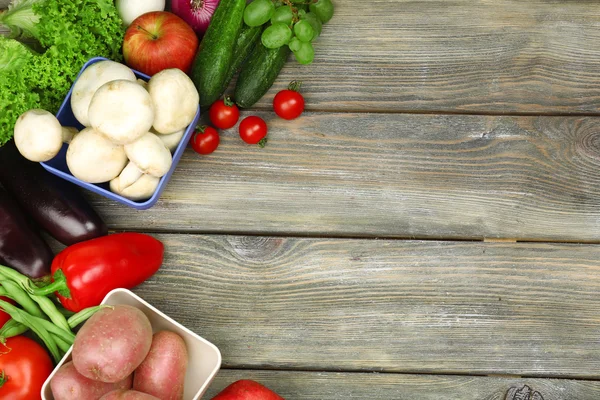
<point>59,285</point>
<point>2,378</point>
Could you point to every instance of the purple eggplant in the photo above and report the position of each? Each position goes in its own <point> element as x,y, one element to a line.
<point>21,247</point>
<point>54,204</point>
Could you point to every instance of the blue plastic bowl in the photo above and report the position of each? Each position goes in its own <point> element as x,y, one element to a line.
<point>58,165</point>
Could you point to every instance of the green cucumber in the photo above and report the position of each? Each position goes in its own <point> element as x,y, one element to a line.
<point>246,41</point>
<point>215,53</point>
<point>259,74</point>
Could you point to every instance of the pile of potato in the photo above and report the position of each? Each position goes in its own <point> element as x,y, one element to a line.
<point>116,357</point>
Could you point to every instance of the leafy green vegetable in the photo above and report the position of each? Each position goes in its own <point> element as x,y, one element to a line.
<point>70,32</point>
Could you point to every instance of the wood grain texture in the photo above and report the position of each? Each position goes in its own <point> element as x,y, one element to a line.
<point>385,305</point>
<point>343,386</point>
<point>533,178</point>
<point>502,56</point>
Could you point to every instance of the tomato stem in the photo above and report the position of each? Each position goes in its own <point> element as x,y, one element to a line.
<point>201,128</point>
<point>3,378</point>
<point>228,102</point>
<point>262,143</point>
<point>295,86</point>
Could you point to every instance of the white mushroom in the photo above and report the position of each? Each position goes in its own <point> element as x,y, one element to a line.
<point>90,80</point>
<point>147,155</point>
<point>172,140</point>
<point>93,158</point>
<point>68,133</point>
<point>175,100</point>
<point>129,10</point>
<point>141,189</point>
<point>38,135</point>
<point>143,83</point>
<point>122,111</point>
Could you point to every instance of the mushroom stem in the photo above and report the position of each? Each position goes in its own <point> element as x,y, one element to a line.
<point>129,176</point>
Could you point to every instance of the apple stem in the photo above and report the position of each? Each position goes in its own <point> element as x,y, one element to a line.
<point>196,5</point>
<point>154,37</point>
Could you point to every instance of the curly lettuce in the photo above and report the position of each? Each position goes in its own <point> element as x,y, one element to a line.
<point>69,32</point>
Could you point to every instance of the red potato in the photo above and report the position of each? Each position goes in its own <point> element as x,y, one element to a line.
<point>68,384</point>
<point>128,395</point>
<point>112,343</point>
<point>246,389</point>
<point>162,373</point>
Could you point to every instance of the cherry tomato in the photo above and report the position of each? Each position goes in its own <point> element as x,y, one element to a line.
<point>25,365</point>
<point>224,114</point>
<point>289,104</point>
<point>253,130</point>
<point>205,140</point>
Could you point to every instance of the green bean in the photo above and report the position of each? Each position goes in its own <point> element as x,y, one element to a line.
<point>83,315</point>
<point>15,276</point>
<point>62,345</point>
<point>31,322</point>
<point>22,297</point>
<point>52,312</point>
<point>12,328</point>
<point>50,327</point>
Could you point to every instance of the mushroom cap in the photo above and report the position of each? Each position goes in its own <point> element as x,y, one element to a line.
<point>93,158</point>
<point>150,155</point>
<point>141,189</point>
<point>38,135</point>
<point>175,100</point>
<point>90,80</point>
<point>122,111</point>
<point>171,140</point>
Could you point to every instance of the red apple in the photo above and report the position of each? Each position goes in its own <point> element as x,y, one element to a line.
<point>159,40</point>
<point>247,390</point>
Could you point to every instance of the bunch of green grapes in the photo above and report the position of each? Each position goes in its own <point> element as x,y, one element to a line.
<point>290,24</point>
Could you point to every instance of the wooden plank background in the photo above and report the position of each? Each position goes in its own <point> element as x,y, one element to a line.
<point>386,305</point>
<point>311,310</point>
<point>398,175</point>
<point>344,386</point>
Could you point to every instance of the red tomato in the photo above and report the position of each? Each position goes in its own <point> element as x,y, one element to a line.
<point>224,114</point>
<point>253,130</point>
<point>4,316</point>
<point>205,140</point>
<point>288,104</point>
<point>26,366</point>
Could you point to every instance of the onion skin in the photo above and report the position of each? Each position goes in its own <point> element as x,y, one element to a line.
<point>197,13</point>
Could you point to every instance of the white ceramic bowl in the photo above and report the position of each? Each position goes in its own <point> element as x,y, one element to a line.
<point>204,357</point>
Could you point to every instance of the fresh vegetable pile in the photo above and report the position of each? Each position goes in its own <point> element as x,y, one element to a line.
<point>130,127</point>
<point>68,32</point>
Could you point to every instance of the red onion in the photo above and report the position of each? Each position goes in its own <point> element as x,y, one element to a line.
<point>197,13</point>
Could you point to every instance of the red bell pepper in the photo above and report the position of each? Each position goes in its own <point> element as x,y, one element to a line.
<point>85,272</point>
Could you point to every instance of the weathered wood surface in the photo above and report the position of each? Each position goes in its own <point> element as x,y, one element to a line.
<point>386,305</point>
<point>343,386</point>
<point>502,56</point>
<point>346,174</point>
<point>505,56</point>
